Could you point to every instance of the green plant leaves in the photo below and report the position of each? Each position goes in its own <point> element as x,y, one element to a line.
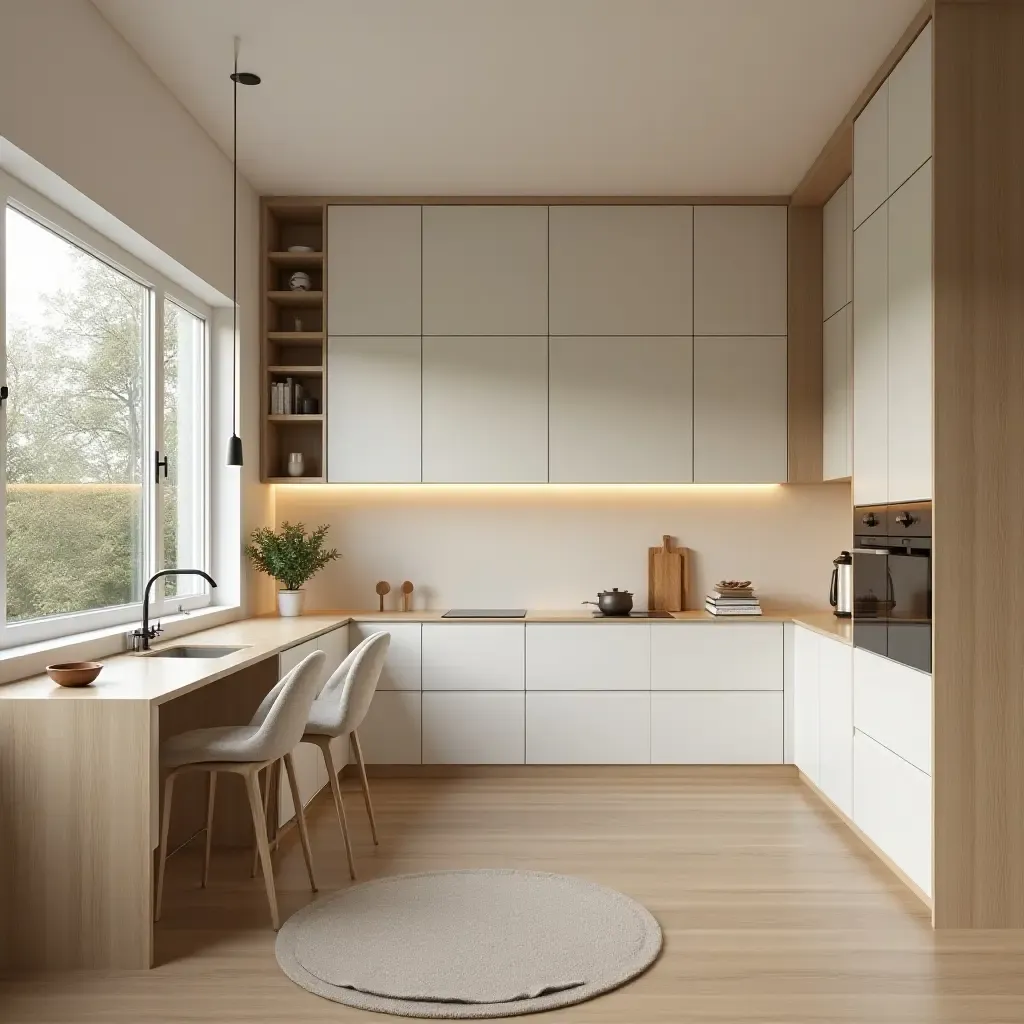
<point>291,556</point>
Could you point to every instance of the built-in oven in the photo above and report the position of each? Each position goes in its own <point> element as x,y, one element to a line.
<point>892,582</point>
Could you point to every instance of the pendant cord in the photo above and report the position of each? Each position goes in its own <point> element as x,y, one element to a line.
<point>234,254</point>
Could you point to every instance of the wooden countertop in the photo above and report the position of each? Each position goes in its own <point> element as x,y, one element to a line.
<point>826,624</point>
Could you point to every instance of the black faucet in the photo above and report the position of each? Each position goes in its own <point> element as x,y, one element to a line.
<point>144,635</point>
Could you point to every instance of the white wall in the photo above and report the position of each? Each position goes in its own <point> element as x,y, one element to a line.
<point>510,547</point>
<point>76,98</point>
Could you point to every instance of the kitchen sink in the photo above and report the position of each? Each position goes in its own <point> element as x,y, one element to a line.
<point>186,651</point>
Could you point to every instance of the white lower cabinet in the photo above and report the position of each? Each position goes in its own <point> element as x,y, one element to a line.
<point>390,733</point>
<point>588,728</point>
<point>589,656</point>
<point>473,728</point>
<point>402,666</point>
<point>892,806</point>
<point>473,656</point>
<point>806,702</point>
<point>835,722</point>
<point>716,656</point>
<point>309,773</point>
<point>716,727</point>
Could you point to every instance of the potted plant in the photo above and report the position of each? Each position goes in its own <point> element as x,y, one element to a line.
<point>291,556</point>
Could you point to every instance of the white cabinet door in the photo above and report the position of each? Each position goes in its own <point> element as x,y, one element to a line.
<point>740,268</point>
<point>474,728</point>
<point>485,410</point>
<point>870,360</point>
<point>402,668</point>
<point>740,429</point>
<point>648,382</point>
<point>910,339</point>
<point>716,728</point>
<point>588,728</point>
<point>485,270</point>
<point>625,270</point>
<point>335,647</point>
<point>892,805</point>
<point>474,657</point>
<point>871,158</point>
<point>390,733</point>
<point>373,270</point>
<point>588,657</point>
<point>910,110</point>
<point>806,702</point>
<point>893,705</point>
<point>373,410</point>
<point>837,251</point>
<point>716,656</point>
<point>837,395</point>
<point>835,735</point>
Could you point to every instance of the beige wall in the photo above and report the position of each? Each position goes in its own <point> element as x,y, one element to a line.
<point>552,549</point>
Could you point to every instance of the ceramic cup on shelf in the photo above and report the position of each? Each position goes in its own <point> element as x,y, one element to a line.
<point>296,464</point>
<point>309,406</point>
<point>299,281</point>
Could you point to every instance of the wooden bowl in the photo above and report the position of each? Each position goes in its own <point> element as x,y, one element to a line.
<point>74,673</point>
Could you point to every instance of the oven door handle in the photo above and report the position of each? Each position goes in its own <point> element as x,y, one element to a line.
<point>870,551</point>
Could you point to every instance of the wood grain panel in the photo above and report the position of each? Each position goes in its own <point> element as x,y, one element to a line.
<point>979,465</point>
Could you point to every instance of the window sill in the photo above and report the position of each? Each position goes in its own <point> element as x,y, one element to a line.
<point>31,659</point>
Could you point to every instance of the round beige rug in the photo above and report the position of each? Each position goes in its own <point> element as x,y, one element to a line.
<point>463,944</point>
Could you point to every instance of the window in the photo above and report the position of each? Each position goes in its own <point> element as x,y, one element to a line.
<point>105,464</point>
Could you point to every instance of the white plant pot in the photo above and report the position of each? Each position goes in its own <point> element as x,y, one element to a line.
<point>290,602</point>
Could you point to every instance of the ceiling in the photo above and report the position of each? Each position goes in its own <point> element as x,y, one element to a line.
<point>542,97</point>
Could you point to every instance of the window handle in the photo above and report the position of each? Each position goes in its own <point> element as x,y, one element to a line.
<point>161,463</point>
<point>5,393</point>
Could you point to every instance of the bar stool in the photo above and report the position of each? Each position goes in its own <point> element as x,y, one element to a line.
<point>274,732</point>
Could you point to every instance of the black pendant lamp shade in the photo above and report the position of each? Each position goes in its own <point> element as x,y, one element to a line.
<point>235,442</point>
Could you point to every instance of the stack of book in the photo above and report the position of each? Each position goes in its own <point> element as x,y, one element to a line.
<point>732,597</point>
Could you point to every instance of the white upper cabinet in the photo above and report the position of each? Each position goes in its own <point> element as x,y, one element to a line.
<point>910,111</point>
<point>485,270</point>
<point>646,384</point>
<point>621,270</point>
<point>740,428</point>
<point>373,402</point>
<point>838,252</point>
<point>837,384</point>
<point>740,270</point>
<point>870,360</point>
<point>871,157</point>
<point>373,270</point>
<point>910,339</point>
<point>485,410</point>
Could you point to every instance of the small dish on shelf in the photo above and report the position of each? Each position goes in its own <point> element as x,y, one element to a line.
<point>300,248</point>
<point>74,673</point>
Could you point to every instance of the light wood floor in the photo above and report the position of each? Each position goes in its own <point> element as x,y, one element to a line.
<point>771,912</point>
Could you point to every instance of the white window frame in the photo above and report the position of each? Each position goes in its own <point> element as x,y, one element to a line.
<point>49,215</point>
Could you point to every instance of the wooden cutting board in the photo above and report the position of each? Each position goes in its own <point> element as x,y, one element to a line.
<point>666,577</point>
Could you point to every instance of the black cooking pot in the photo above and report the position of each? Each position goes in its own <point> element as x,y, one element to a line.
<point>613,602</point>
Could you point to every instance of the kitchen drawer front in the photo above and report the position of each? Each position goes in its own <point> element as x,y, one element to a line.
<point>893,705</point>
<point>474,728</point>
<point>588,656</point>
<point>402,666</point>
<point>335,646</point>
<point>473,657</point>
<point>716,728</point>
<point>716,656</point>
<point>588,728</point>
<point>293,656</point>
<point>390,733</point>
<point>892,806</point>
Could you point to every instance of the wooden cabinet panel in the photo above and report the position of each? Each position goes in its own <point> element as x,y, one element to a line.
<point>485,410</point>
<point>647,384</point>
<point>806,702</point>
<point>475,656</point>
<point>373,270</point>
<point>870,360</point>
<point>835,733</point>
<point>910,111</point>
<point>716,656</point>
<point>485,270</point>
<point>402,667</point>
<point>474,728</point>
<point>621,270</point>
<point>837,395</point>
<point>373,410</point>
<point>588,728</point>
<point>740,426</point>
<point>390,733</point>
<point>716,728</point>
<point>871,158</point>
<point>837,251</point>
<point>740,270</point>
<point>909,380</point>
<point>588,657</point>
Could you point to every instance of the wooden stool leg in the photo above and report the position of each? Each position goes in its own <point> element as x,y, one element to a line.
<point>325,748</point>
<point>259,823</point>
<point>211,794</point>
<point>300,818</point>
<point>268,782</point>
<point>165,824</point>
<point>358,751</point>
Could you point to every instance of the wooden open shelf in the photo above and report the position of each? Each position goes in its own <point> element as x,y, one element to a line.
<point>297,371</point>
<point>289,298</point>
<point>298,417</point>
<point>296,260</point>
<point>295,480</point>
<point>295,337</point>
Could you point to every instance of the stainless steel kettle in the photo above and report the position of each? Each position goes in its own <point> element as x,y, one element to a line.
<point>841,592</point>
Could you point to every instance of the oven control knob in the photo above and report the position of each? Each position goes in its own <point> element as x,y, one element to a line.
<point>905,519</point>
<point>870,519</point>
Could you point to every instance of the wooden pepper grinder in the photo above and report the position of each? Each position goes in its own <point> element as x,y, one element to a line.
<point>383,588</point>
<point>407,589</point>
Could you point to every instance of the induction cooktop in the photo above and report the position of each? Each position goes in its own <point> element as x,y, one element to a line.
<point>485,613</point>
<point>635,615</point>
